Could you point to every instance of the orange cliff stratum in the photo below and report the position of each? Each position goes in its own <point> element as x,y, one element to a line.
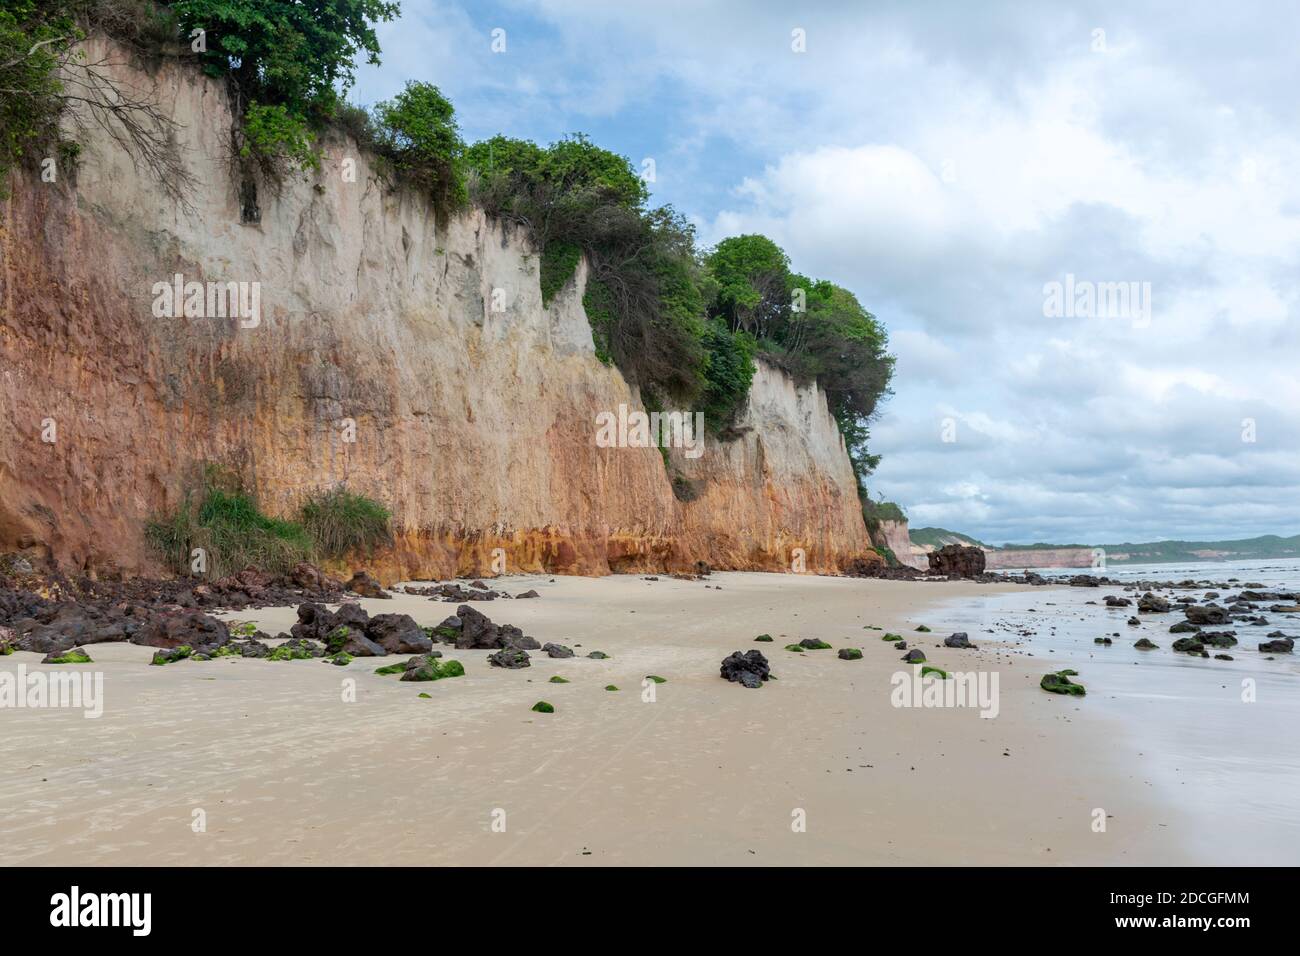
<point>375,322</point>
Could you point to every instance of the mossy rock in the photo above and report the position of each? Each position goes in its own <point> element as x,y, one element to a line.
<point>557,679</point>
<point>937,671</point>
<point>341,659</point>
<point>542,707</point>
<point>850,654</point>
<point>794,647</point>
<point>74,656</point>
<point>426,696</point>
<point>814,644</point>
<point>1060,683</point>
<point>610,687</point>
<point>923,629</point>
<point>445,633</point>
<point>391,669</point>
<point>871,627</point>
<point>891,637</point>
<point>285,653</point>
<point>431,668</point>
<point>242,628</point>
<point>764,639</point>
<point>656,678</point>
<point>1143,644</point>
<point>6,649</point>
<point>171,656</point>
<point>336,638</point>
<point>1188,645</point>
<point>227,650</point>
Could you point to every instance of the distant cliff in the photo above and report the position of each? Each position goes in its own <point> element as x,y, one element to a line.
<point>406,356</point>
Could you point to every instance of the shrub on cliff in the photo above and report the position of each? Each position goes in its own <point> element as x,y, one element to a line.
<point>417,132</point>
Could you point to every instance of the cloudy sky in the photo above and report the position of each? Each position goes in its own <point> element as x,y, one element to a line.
<point>947,162</point>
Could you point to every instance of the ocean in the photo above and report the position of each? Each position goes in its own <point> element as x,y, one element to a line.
<point>1217,739</point>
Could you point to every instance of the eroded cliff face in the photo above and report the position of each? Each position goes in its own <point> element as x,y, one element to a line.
<point>894,535</point>
<point>408,357</point>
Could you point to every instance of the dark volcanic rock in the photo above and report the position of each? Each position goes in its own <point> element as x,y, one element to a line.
<point>915,656</point>
<point>958,640</point>
<point>1205,614</point>
<point>557,650</point>
<point>1184,627</point>
<point>182,628</point>
<point>1113,601</point>
<point>1152,604</point>
<point>362,583</point>
<point>398,634</point>
<point>1283,645</point>
<point>747,668</point>
<point>477,630</point>
<point>1189,645</point>
<point>510,657</point>
<point>316,622</point>
<point>1143,644</point>
<point>1218,638</point>
<point>957,560</point>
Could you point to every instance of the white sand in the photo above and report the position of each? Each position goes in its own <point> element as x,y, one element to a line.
<point>285,771</point>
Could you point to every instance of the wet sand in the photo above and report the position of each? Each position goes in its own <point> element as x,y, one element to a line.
<point>286,771</point>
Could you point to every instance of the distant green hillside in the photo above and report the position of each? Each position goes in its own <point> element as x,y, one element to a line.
<point>1265,546</point>
<point>938,537</point>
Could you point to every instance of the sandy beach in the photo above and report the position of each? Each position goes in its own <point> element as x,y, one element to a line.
<point>281,769</point>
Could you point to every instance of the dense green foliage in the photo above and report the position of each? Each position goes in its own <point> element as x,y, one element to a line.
<point>275,133</point>
<point>559,260</point>
<point>416,131</point>
<point>300,54</point>
<point>289,63</point>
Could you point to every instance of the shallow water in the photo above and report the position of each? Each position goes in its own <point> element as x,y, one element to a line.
<point>1231,764</point>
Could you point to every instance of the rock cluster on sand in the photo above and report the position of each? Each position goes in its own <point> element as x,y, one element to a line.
<point>747,668</point>
<point>351,630</point>
<point>474,630</point>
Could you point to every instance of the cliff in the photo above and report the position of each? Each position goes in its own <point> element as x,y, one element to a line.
<point>406,356</point>
<point>894,536</point>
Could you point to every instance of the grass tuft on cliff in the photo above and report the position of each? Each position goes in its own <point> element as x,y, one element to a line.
<point>340,521</point>
<point>232,533</point>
